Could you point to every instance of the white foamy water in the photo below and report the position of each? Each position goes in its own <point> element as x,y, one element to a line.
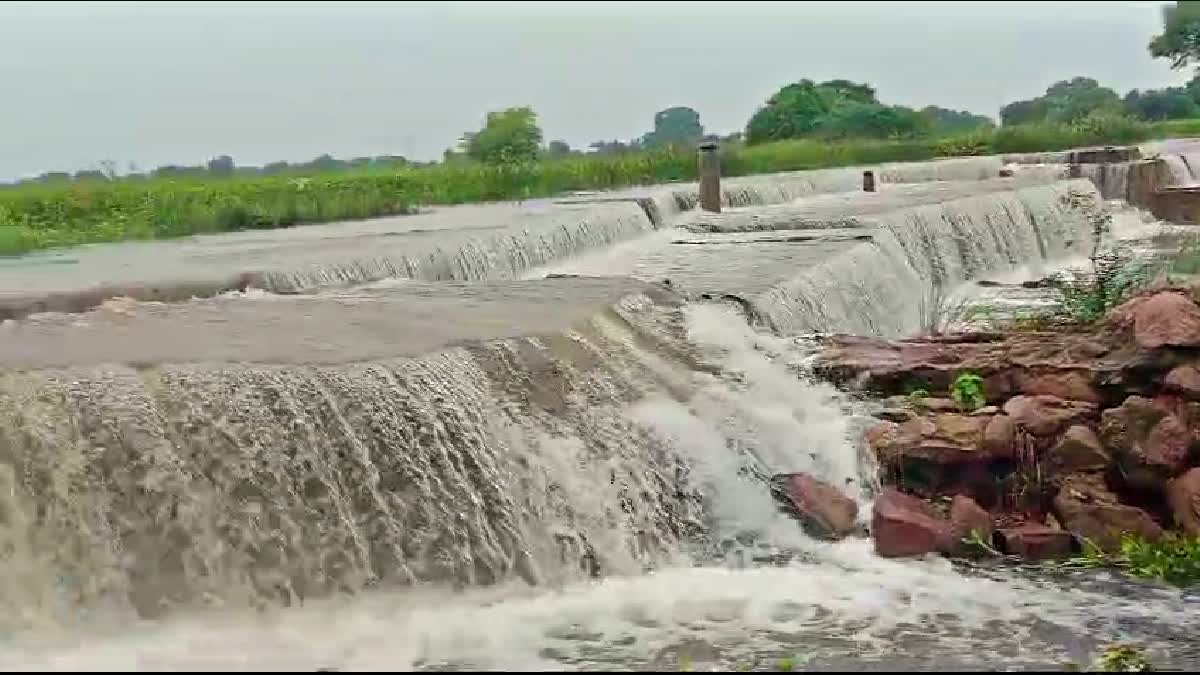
<point>832,605</point>
<point>846,607</point>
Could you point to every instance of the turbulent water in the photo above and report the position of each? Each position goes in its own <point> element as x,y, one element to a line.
<point>589,498</point>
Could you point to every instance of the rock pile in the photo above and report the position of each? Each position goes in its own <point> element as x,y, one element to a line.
<point>1085,436</point>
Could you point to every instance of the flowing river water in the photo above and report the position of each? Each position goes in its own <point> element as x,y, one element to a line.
<point>473,466</point>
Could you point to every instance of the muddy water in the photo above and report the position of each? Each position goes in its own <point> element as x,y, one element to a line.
<point>546,475</point>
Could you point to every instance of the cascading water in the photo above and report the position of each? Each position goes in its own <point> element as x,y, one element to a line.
<point>591,497</point>
<point>1180,170</point>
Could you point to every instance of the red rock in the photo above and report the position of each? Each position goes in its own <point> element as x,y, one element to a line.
<point>1035,542</point>
<point>1150,444</point>
<point>1184,380</point>
<point>1000,437</point>
<point>1069,385</point>
<point>904,526</point>
<point>1166,320</point>
<point>1047,415</point>
<point>1183,496</point>
<point>1078,451</point>
<point>969,518</point>
<point>823,510</point>
<point>1091,512</point>
<point>940,439</point>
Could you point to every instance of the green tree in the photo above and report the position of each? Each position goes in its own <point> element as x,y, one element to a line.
<point>1180,39</point>
<point>1161,104</point>
<point>1074,99</point>
<point>1023,112</point>
<point>674,126</point>
<point>852,91</point>
<point>510,135</point>
<point>1065,101</point>
<point>794,111</point>
<point>558,149</point>
<point>855,119</point>
<point>221,166</point>
<point>946,121</point>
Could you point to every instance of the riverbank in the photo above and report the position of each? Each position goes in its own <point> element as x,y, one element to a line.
<point>1072,434</point>
<point>39,216</point>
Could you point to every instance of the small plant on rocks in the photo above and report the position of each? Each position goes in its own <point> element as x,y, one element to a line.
<point>1121,658</point>
<point>967,391</point>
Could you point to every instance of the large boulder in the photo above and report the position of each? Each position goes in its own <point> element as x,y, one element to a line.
<point>1068,384</point>
<point>939,439</point>
<point>1000,437</point>
<point>1046,416</point>
<point>1035,542</point>
<point>821,508</point>
<point>969,519</point>
<point>1165,319</point>
<point>1086,507</point>
<point>1184,380</point>
<point>1150,444</point>
<point>1183,496</point>
<point>1078,451</point>
<point>905,526</point>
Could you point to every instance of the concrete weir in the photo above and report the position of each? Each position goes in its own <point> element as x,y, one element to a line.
<point>462,243</point>
<point>460,425</point>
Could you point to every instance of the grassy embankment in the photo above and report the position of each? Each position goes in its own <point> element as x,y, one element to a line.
<point>35,216</point>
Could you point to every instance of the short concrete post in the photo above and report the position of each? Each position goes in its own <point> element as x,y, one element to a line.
<point>868,181</point>
<point>710,178</point>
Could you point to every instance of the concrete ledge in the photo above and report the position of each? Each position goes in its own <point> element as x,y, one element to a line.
<point>1177,205</point>
<point>1104,155</point>
<point>410,319</point>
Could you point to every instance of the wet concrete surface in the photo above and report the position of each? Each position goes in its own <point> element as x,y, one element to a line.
<point>406,320</point>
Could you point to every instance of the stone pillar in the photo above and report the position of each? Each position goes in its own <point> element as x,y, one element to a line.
<point>1074,171</point>
<point>868,181</point>
<point>710,178</point>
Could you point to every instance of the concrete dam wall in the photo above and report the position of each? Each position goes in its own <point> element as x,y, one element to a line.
<point>465,426</point>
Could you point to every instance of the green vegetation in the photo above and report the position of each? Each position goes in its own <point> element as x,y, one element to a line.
<point>1174,559</point>
<point>1114,274</point>
<point>674,126</point>
<point>41,215</point>
<point>916,397</point>
<point>843,109</point>
<point>1123,659</point>
<point>508,137</point>
<point>967,392</point>
<point>1180,39</point>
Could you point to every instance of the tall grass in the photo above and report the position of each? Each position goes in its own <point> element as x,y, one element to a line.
<point>34,216</point>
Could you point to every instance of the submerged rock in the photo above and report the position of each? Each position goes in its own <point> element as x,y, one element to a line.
<point>823,510</point>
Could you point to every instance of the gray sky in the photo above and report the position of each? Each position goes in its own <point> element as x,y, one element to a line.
<point>181,82</point>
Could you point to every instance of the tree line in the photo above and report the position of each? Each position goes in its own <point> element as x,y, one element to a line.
<point>832,110</point>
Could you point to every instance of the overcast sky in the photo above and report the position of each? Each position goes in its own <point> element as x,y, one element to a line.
<point>176,82</point>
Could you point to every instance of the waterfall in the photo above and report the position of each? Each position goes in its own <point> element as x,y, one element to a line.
<point>1112,180</point>
<point>929,239</point>
<point>1180,171</point>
